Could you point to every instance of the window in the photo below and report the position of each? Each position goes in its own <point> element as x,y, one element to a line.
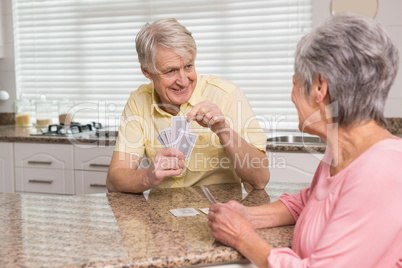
<point>84,50</point>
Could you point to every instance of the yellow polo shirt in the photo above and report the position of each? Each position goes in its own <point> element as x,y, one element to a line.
<point>142,120</point>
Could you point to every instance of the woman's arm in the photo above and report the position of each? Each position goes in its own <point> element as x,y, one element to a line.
<point>265,216</point>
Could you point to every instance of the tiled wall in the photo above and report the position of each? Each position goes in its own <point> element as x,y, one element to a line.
<point>388,15</point>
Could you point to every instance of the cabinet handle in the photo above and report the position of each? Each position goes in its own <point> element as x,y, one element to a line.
<point>97,185</point>
<point>40,162</point>
<point>41,181</point>
<point>98,165</point>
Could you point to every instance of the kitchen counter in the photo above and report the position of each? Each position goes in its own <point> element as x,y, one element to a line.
<point>130,230</point>
<point>32,135</point>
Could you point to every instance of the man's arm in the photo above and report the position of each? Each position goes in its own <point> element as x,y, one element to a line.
<point>124,175</point>
<point>250,164</point>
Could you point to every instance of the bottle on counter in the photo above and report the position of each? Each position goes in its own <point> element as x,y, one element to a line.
<point>23,111</point>
<point>65,111</point>
<point>43,112</point>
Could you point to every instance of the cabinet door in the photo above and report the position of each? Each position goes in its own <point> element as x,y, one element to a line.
<point>90,182</point>
<point>6,168</point>
<point>49,156</point>
<point>293,167</point>
<point>52,181</point>
<point>95,159</point>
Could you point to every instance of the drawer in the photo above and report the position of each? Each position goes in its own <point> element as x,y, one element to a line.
<point>49,156</point>
<point>54,181</point>
<point>293,167</point>
<point>90,182</point>
<point>96,159</point>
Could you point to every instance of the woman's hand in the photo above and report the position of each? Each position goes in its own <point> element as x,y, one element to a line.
<point>167,162</point>
<point>239,208</point>
<point>208,115</point>
<point>228,223</point>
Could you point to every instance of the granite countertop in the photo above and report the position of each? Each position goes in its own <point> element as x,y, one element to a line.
<point>33,135</point>
<point>130,230</point>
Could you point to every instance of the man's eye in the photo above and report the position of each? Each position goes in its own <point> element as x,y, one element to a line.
<point>189,66</point>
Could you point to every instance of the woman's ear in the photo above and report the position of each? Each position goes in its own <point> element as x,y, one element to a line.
<point>145,73</point>
<point>321,88</point>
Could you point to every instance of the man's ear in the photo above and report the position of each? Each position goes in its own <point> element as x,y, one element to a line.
<point>145,73</point>
<point>321,88</point>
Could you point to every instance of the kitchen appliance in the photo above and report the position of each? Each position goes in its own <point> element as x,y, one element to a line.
<point>92,130</point>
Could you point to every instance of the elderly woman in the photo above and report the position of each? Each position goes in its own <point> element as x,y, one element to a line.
<point>351,215</point>
<point>226,143</point>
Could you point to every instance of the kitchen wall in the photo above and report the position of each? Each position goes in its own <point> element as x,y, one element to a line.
<point>7,70</point>
<point>388,15</point>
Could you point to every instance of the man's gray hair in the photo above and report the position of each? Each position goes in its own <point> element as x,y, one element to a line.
<point>164,32</point>
<point>358,59</point>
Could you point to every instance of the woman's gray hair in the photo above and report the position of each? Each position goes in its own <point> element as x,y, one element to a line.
<point>165,32</point>
<point>359,61</point>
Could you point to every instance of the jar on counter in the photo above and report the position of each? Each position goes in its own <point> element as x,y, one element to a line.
<point>23,111</point>
<point>66,111</point>
<point>43,112</point>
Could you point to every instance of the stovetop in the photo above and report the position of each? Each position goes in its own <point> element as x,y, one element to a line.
<point>92,130</point>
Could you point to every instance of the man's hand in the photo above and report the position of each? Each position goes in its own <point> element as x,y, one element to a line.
<point>208,115</point>
<point>168,162</point>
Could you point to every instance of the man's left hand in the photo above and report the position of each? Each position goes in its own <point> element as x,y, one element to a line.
<point>208,114</point>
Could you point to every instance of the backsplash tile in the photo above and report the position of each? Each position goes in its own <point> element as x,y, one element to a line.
<point>7,119</point>
<point>395,125</point>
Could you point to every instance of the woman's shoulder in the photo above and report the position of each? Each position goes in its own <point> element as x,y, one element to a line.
<point>388,145</point>
<point>383,159</point>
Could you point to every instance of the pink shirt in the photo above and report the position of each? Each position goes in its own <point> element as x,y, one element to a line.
<point>352,219</point>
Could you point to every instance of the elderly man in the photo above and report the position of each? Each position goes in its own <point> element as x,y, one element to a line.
<point>230,146</point>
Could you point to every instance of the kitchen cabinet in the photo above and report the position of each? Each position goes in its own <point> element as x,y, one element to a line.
<point>44,168</point>
<point>293,167</point>
<point>91,166</point>
<point>6,167</point>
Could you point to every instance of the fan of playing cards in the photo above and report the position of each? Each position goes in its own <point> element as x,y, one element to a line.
<point>178,136</point>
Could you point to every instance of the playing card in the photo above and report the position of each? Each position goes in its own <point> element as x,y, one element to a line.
<point>159,137</point>
<point>204,210</point>
<point>184,212</point>
<point>164,137</point>
<point>186,142</point>
<point>179,123</point>
<point>168,133</point>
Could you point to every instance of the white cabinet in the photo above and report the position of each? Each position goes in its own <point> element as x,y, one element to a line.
<point>91,166</point>
<point>293,166</point>
<point>44,168</point>
<point>6,168</point>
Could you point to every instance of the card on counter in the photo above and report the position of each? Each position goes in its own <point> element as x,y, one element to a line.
<point>184,212</point>
<point>204,210</point>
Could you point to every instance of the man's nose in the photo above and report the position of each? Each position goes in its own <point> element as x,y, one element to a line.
<point>182,78</point>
